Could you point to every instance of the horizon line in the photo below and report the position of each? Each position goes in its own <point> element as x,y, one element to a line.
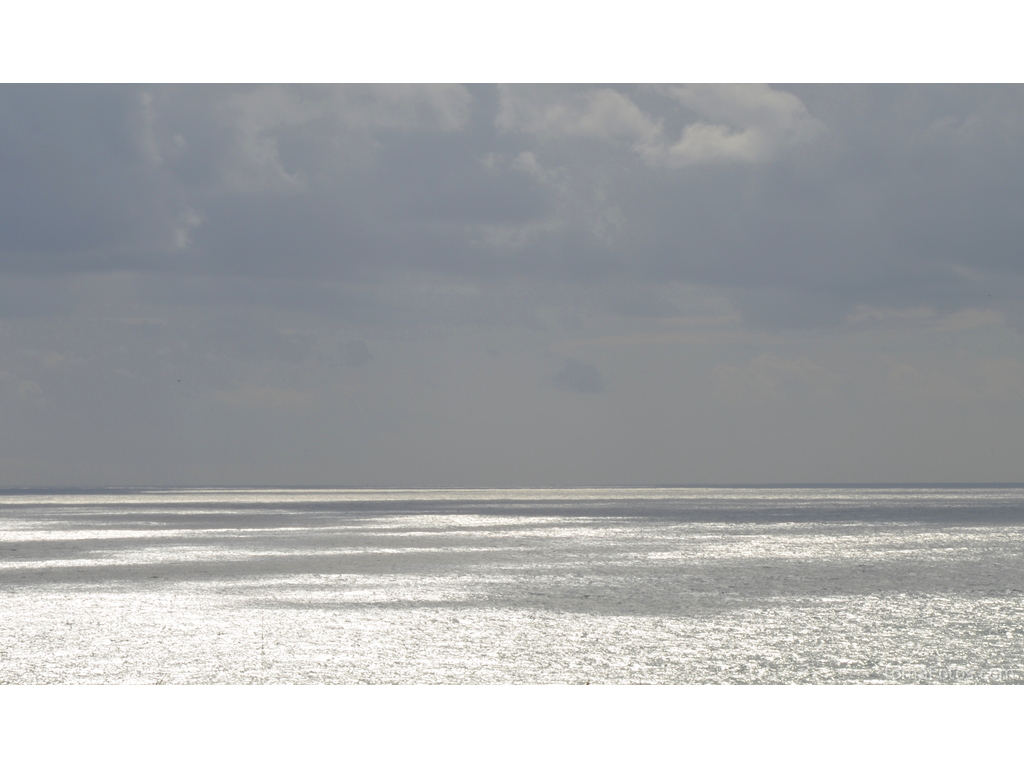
<point>646,486</point>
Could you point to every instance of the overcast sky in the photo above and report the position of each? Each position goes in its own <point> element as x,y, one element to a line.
<point>449,285</point>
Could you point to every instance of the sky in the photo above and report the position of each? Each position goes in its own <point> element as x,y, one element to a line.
<point>511,285</point>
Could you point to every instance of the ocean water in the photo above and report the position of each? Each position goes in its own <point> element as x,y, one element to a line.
<point>578,586</point>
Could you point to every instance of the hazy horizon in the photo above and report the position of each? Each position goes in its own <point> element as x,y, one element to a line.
<point>99,489</point>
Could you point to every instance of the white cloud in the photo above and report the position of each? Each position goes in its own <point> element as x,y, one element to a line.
<point>149,144</point>
<point>581,204</point>
<point>343,115</point>
<point>188,220</point>
<point>750,124</point>
<point>739,123</point>
<point>598,113</point>
<point>703,143</point>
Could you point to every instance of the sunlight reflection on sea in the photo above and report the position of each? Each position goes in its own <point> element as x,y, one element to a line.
<point>619,585</point>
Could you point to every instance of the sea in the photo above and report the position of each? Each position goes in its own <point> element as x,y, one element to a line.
<point>585,586</point>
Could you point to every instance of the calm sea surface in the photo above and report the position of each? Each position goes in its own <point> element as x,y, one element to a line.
<point>585,585</point>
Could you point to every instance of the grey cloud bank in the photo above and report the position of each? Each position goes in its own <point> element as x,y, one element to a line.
<point>510,285</point>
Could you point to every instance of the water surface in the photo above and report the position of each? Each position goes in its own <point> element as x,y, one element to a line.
<point>587,585</point>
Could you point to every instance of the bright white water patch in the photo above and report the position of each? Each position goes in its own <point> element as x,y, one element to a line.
<point>525,586</point>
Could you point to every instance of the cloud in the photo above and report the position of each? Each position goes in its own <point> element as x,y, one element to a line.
<point>343,118</point>
<point>81,178</point>
<point>25,390</point>
<point>211,264</point>
<point>355,354</point>
<point>768,377</point>
<point>908,198</point>
<point>575,205</point>
<point>263,398</point>
<point>96,178</point>
<point>754,124</point>
<point>577,376</point>
<point>750,124</point>
<point>992,379</point>
<point>597,113</point>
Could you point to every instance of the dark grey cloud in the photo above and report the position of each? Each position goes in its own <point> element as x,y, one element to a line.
<point>356,353</point>
<point>908,199</point>
<point>36,295</point>
<point>799,203</point>
<point>577,376</point>
<point>82,185</point>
